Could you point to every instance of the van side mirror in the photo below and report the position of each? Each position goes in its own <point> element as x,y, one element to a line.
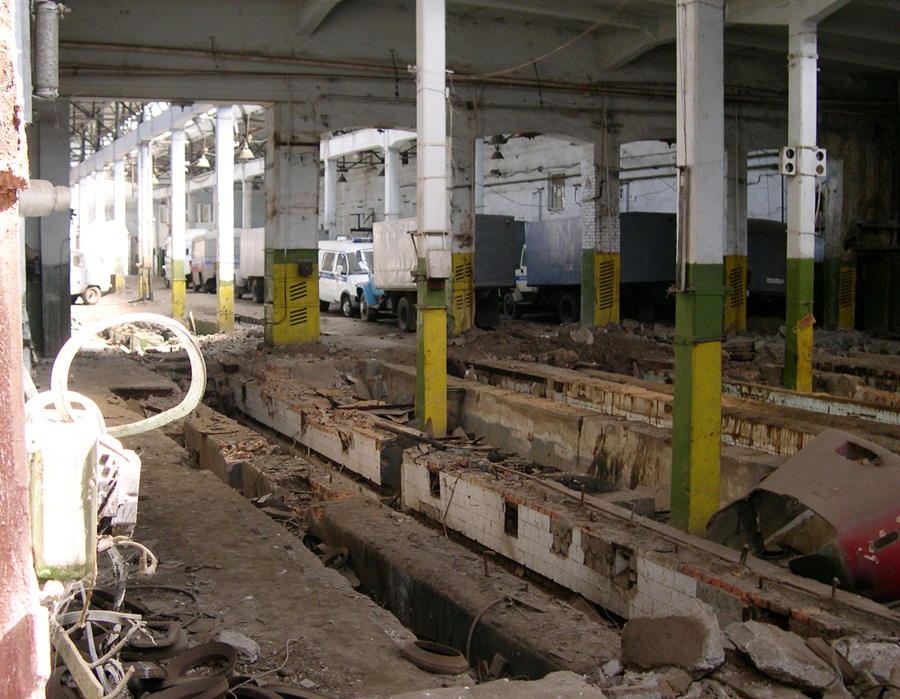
<point>339,270</point>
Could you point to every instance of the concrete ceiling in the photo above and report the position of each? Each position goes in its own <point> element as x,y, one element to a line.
<point>522,62</point>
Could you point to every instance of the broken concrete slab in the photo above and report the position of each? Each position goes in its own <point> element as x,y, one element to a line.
<point>781,654</point>
<point>749,683</point>
<point>691,640</point>
<point>879,657</point>
<point>553,686</point>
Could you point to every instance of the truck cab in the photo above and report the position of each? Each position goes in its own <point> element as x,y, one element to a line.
<point>344,269</point>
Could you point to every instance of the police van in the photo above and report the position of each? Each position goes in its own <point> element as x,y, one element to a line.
<point>344,268</point>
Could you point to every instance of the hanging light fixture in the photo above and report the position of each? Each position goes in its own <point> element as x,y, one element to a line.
<point>342,178</point>
<point>497,155</point>
<point>246,153</point>
<point>381,173</point>
<point>203,162</point>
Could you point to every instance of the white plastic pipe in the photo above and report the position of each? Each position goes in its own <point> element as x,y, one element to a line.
<point>42,198</point>
<point>59,376</point>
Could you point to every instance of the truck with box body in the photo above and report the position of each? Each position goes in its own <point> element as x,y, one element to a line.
<point>497,242</point>
<point>189,236</point>
<point>204,262</point>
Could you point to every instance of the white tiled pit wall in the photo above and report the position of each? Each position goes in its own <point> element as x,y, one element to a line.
<point>363,455</point>
<point>476,511</point>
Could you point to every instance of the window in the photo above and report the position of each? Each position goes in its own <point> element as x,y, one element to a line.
<point>557,192</point>
<point>204,213</point>
<point>342,266</point>
<point>510,518</point>
<point>327,262</point>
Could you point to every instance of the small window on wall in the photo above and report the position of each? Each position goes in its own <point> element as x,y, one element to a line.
<point>557,192</point>
<point>163,214</point>
<point>204,213</point>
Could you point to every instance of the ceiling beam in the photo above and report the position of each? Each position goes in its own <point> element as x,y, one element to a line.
<point>577,11</point>
<point>313,13</point>
<point>780,12</point>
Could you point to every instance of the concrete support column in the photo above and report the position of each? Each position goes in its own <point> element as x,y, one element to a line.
<point>801,206</point>
<point>177,222</point>
<point>391,184</point>
<point>224,217</point>
<point>145,218</point>
<point>119,190</point>
<point>433,244</point>
<point>47,287</point>
<point>479,176</point>
<point>735,228</point>
<point>246,203</point>
<point>331,198</point>
<point>601,258</point>
<point>99,196</point>
<point>463,303</point>
<point>697,433</point>
<point>292,214</point>
<point>83,214</point>
<point>839,277</point>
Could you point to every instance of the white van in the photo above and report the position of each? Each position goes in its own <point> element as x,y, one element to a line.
<point>189,236</point>
<point>344,267</point>
<point>89,277</point>
<point>204,262</point>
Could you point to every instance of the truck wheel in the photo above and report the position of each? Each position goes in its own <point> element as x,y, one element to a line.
<point>511,309</point>
<point>258,291</point>
<point>406,315</point>
<point>568,308</point>
<point>166,282</point>
<point>366,312</point>
<point>346,306</point>
<point>91,295</point>
<point>198,287</point>
<point>323,306</point>
<point>210,286</point>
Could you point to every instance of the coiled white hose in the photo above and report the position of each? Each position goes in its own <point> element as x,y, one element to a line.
<point>59,376</point>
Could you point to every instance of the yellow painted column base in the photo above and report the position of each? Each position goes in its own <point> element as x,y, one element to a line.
<point>805,353</point>
<point>434,339</point>
<point>607,271</point>
<point>462,300</point>
<point>736,302</point>
<point>225,313</point>
<point>292,305</point>
<point>179,286</point>
<point>706,434</point>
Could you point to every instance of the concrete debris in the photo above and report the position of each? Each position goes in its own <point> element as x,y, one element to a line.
<point>553,686</point>
<point>582,336</point>
<point>879,657</point>
<point>781,654</point>
<point>247,649</point>
<point>692,640</point>
<point>612,668</point>
<point>308,684</point>
<point>749,683</point>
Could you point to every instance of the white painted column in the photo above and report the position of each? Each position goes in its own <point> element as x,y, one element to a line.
<point>479,175</point>
<point>145,217</point>
<point>99,196</point>
<point>330,204</point>
<point>225,215</point>
<point>84,209</point>
<point>177,220</point>
<point>246,203</point>
<point>391,184</point>
<point>122,237</point>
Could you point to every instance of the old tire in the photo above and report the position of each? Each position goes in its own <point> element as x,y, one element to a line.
<point>210,286</point>
<point>568,308</point>
<point>91,295</point>
<point>406,315</point>
<point>434,657</point>
<point>366,312</point>
<point>346,306</point>
<point>511,309</point>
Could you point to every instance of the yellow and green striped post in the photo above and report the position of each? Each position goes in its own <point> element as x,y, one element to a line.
<point>431,355</point>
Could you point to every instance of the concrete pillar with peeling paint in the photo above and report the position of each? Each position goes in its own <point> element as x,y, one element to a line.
<point>224,217</point>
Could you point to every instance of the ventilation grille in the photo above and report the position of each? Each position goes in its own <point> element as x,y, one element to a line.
<point>736,279</point>
<point>462,303</point>
<point>462,270</point>
<point>298,291</point>
<point>848,288</point>
<point>606,285</point>
<point>298,316</point>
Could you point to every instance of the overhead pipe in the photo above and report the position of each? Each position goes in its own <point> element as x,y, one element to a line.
<point>42,198</point>
<point>46,48</point>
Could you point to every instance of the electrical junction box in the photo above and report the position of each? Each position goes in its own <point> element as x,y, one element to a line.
<point>439,264</point>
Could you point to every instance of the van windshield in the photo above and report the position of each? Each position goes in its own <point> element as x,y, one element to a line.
<point>366,260</point>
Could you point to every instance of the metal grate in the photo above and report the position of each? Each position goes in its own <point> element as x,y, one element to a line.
<point>298,316</point>
<point>462,270</point>
<point>298,291</point>
<point>606,284</point>
<point>848,288</point>
<point>736,279</point>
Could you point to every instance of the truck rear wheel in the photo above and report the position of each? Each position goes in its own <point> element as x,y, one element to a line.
<point>91,295</point>
<point>406,315</point>
<point>511,309</point>
<point>568,308</point>
<point>198,287</point>
<point>258,291</point>
<point>323,306</point>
